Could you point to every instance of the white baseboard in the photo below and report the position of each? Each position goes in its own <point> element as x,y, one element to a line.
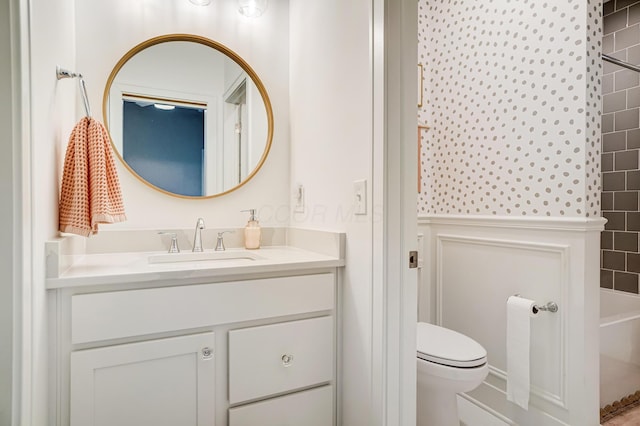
<point>472,415</point>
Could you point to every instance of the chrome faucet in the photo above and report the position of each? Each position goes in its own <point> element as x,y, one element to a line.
<point>220,241</point>
<point>197,238</point>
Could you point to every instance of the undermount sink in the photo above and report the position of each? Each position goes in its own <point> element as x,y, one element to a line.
<point>235,255</point>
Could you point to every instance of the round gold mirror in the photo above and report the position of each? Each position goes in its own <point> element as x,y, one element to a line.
<point>188,116</point>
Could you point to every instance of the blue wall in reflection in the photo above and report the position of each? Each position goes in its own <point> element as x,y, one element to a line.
<point>165,147</point>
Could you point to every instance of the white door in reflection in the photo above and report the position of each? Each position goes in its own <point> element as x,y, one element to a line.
<point>235,141</point>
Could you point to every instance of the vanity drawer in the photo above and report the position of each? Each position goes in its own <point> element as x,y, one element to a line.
<point>278,358</point>
<point>309,408</point>
<point>118,314</point>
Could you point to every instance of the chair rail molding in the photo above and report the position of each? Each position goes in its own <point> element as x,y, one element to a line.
<point>542,222</point>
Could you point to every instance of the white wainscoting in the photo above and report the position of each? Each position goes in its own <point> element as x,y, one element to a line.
<point>480,274</point>
<point>472,264</point>
<point>472,415</point>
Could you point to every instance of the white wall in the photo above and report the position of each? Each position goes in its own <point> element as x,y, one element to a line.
<point>331,146</point>
<point>105,31</point>
<point>52,117</point>
<point>6,216</point>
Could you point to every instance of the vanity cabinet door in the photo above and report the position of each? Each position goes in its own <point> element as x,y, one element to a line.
<point>307,408</point>
<point>277,358</point>
<point>164,382</point>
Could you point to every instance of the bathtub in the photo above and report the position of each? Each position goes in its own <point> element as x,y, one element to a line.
<point>619,345</point>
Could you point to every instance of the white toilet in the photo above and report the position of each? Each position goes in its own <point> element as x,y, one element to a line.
<point>448,363</point>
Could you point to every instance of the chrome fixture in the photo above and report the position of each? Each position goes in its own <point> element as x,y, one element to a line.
<point>64,73</point>
<point>197,238</point>
<point>549,307</point>
<point>174,241</point>
<point>287,360</point>
<point>220,241</point>
<point>621,63</point>
<point>252,8</point>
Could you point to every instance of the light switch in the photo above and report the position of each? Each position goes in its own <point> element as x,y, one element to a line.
<point>360,196</point>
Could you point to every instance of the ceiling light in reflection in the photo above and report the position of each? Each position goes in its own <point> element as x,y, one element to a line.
<point>164,107</point>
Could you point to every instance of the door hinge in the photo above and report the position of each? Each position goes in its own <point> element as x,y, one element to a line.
<point>413,259</point>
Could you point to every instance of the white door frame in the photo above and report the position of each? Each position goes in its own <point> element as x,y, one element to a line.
<point>19,235</point>
<point>394,63</point>
<point>7,285</point>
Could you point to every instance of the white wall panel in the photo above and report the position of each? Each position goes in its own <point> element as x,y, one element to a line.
<point>475,278</point>
<point>472,264</point>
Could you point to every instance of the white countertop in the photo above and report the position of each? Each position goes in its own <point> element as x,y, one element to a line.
<point>117,268</point>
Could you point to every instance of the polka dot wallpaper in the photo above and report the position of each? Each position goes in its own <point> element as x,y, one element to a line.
<point>512,97</point>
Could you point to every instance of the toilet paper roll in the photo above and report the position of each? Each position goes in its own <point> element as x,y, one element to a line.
<point>519,313</point>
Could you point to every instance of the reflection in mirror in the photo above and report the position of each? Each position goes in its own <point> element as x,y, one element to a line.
<point>188,116</point>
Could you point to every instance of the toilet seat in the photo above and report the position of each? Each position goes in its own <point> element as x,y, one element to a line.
<point>447,347</point>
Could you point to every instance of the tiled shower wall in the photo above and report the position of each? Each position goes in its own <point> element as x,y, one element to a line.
<point>621,147</point>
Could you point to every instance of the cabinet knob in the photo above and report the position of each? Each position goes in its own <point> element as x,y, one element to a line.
<point>287,360</point>
<point>207,353</point>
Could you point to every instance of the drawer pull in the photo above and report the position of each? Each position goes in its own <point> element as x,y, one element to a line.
<point>287,360</point>
<point>207,353</point>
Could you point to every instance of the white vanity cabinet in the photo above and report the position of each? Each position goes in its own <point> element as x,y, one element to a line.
<point>234,352</point>
<point>312,407</point>
<point>164,382</point>
<point>278,358</point>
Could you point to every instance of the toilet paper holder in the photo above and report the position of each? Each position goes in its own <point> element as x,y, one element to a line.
<point>548,307</point>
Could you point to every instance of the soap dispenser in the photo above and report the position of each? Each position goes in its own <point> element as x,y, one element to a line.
<point>252,231</point>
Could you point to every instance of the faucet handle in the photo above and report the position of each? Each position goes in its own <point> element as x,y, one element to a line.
<point>220,240</point>
<point>174,241</point>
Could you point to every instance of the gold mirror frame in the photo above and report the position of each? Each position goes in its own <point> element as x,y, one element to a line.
<point>220,48</point>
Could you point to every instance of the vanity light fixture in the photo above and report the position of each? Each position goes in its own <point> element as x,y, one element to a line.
<point>252,8</point>
<point>164,107</point>
<point>200,2</point>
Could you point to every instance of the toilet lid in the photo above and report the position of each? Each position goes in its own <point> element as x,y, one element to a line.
<point>448,347</point>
